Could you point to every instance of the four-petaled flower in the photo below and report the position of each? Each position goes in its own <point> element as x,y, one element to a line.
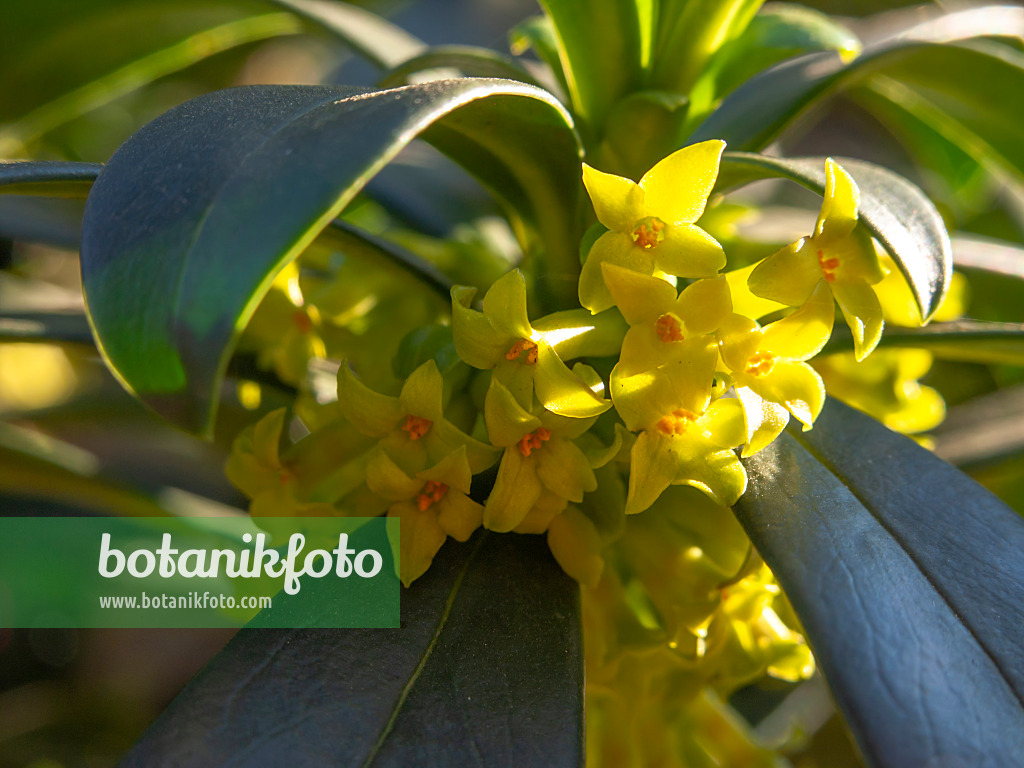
<point>651,224</point>
<point>685,437</point>
<point>662,324</point>
<point>767,364</point>
<point>411,427</point>
<point>839,255</point>
<point>501,337</point>
<point>432,505</point>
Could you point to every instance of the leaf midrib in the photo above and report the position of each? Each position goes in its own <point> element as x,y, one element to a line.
<point>410,684</point>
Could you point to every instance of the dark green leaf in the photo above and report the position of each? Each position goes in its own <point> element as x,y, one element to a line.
<point>600,51</point>
<point>51,179</point>
<point>487,669</point>
<point>896,212</point>
<point>192,217</point>
<point>185,37</point>
<point>964,340</point>
<point>908,578</point>
<point>469,60</point>
<point>45,327</point>
<point>375,38</point>
<point>754,114</point>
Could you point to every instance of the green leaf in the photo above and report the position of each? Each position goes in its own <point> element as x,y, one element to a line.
<point>964,340</point>
<point>690,33</point>
<point>48,178</point>
<point>778,32</point>
<point>470,60</point>
<point>128,76</point>
<point>908,578</point>
<point>757,112</point>
<point>191,219</point>
<point>600,50</point>
<point>375,38</point>
<point>538,32</point>
<point>487,669</point>
<point>896,213</point>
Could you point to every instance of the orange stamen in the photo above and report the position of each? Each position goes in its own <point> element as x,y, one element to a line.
<point>432,493</point>
<point>416,426</point>
<point>648,232</point>
<point>668,328</point>
<point>828,266</point>
<point>761,363</point>
<point>676,422</point>
<point>302,321</point>
<point>523,345</point>
<point>534,440</point>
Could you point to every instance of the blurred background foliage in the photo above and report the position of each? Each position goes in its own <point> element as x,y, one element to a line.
<point>78,77</point>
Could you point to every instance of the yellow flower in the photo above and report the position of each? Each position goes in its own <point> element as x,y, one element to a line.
<point>769,362</point>
<point>662,324</point>
<point>651,224</point>
<point>501,337</point>
<point>431,505</point>
<point>839,255</point>
<point>685,438</point>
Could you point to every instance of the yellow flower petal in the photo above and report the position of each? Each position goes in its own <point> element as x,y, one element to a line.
<point>507,421</point>
<point>764,421</point>
<point>802,334</point>
<point>724,423</point>
<point>266,437</point>
<point>516,490</point>
<point>564,470</point>
<point>576,545</point>
<point>504,305</point>
<point>676,189</point>
<point>688,251</point>
<point>610,248</point>
<point>653,467</point>
<point>476,340</point>
<point>797,386</point>
<point>639,297</point>
<point>459,515</point>
<point>838,214</point>
<point>548,507</point>
<point>371,413</point>
<point>744,302</point>
<point>863,314</point>
<point>453,470</point>
<point>789,276</point>
<point>618,202</point>
<point>561,391</point>
<point>421,536</point>
<point>385,478</point>
<point>422,392</point>
<point>705,305</point>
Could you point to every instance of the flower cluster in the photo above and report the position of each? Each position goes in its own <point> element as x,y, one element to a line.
<point>615,428</point>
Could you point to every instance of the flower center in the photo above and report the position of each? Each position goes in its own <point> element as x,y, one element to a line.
<point>521,346</point>
<point>669,328</point>
<point>649,232</point>
<point>431,494</point>
<point>761,363</point>
<point>302,321</point>
<point>534,440</point>
<point>828,266</point>
<point>676,422</point>
<point>416,427</point>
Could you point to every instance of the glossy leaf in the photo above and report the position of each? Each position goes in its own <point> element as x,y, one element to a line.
<point>48,178</point>
<point>911,593</point>
<point>375,38</point>
<point>757,112</point>
<point>487,669</point>
<point>469,60</point>
<point>963,340</point>
<point>896,212</point>
<point>599,47</point>
<point>192,217</point>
